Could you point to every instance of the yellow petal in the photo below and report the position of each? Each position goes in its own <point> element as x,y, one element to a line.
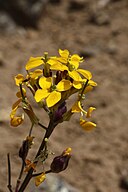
<point>45,83</point>
<point>75,76</point>
<point>39,179</point>
<point>13,112</point>
<point>87,89</point>
<point>75,108</point>
<point>87,125</point>
<point>53,98</point>
<point>16,121</point>
<point>64,53</point>
<point>52,61</point>
<point>34,62</point>
<point>78,108</point>
<point>41,94</point>
<point>16,104</point>
<point>75,60</point>
<point>92,83</point>
<point>64,85</point>
<point>36,73</point>
<point>67,151</point>
<point>59,66</point>
<point>90,111</point>
<point>18,79</point>
<point>63,60</point>
<point>85,73</point>
<point>18,94</point>
<point>77,84</point>
<point>76,57</point>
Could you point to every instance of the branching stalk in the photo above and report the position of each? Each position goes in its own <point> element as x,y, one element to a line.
<point>29,175</point>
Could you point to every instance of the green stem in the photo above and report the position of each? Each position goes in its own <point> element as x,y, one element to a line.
<point>47,135</point>
<point>85,85</point>
<point>22,94</point>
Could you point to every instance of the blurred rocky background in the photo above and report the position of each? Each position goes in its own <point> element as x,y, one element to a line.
<point>98,31</point>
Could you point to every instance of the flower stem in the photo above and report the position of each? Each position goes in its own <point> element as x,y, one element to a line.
<point>85,85</point>
<point>19,178</point>
<point>9,173</point>
<point>28,177</point>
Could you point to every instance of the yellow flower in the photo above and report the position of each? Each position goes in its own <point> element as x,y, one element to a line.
<point>34,62</point>
<point>29,165</point>
<point>35,74</point>
<point>87,125</point>
<point>71,65</point>
<point>16,120</point>
<point>77,108</point>
<point>51,92</point>
<point>39,179</point>
<point>89,112</point>
<point>19,79</point>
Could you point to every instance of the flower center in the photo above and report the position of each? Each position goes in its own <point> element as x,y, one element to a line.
<point>53,87</point>
<point>71,67</point>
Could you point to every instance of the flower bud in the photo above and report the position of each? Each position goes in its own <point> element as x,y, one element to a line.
<point>26,145</point>
<point>24,150</point>
<point>60,163</point>
<point>60,111</point>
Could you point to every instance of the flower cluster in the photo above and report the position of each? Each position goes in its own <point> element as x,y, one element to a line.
<point>52,80</point>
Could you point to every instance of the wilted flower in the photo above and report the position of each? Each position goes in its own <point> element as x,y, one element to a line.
<point>26,145</point>
<point>39,179</point>
<point>87,125</point>
<point>29,165</point>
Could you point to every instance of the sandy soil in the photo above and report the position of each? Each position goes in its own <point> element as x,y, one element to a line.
<point>100,33</point>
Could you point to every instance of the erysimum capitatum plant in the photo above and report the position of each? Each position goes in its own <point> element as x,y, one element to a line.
<point>52,81</point>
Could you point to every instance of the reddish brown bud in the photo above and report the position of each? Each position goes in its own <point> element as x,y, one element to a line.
<point>60,163</point>
<point>60,112</point>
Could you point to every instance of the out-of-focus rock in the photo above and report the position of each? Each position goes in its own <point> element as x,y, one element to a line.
<point>6,23</point>
<point>103,3</point>
<point>24,12</point>
<point>123,183</point>
<point>54,1</point>
<point>77,5</point>
<point>100,18</point>
<point>90,51</point>
<point>111,48</point>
